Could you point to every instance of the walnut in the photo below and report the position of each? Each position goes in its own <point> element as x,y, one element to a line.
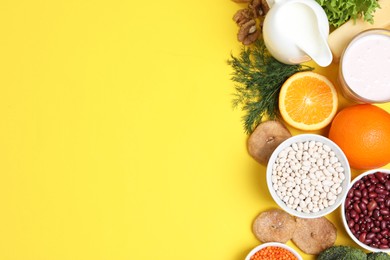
<point>256,7</point>
<point>246,19</point>
<point>248,32</point>
<point>259,7</point>
<point>265,6</point>
<point>243,16</point>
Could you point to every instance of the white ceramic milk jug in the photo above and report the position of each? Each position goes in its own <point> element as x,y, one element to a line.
<point>296,31</point>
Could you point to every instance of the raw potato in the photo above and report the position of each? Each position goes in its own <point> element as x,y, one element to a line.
<point>274,226</point>
<point>264,140</point>
<point>313,236</point>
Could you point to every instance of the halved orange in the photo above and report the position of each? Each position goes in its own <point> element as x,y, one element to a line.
<point>308,101</point>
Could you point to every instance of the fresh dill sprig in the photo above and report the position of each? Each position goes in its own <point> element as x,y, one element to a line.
<point>259,77</point>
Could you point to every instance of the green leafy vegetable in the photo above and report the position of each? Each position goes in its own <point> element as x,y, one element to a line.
<point>342,253</point>
<point>259,78</point>
<point>340,11</point>
<point>378,256</point>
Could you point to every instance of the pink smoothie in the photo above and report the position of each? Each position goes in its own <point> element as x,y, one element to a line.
<point>366,67</point>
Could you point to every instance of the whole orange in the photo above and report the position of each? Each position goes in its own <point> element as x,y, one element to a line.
<point>363,133</point>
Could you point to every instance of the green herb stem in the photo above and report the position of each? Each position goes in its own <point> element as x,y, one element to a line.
<point>259,77</point>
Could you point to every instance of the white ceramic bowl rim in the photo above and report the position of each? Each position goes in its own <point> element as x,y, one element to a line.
<point>357,241</point>
<point>275,244</point>
<point>340,155</point>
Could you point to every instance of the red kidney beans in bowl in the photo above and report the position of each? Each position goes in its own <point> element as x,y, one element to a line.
<point>367,210</point>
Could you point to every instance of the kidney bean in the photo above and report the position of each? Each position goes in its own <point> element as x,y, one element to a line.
<point>356,219</point>
<point>380,176</point>
<point>377,223</point>
<point>356,207</point>
<point>387,218</point>
<point>362,237</point>
<point>368,241</point>
<point>375,229</point>
<point>357,193</point>
<point>372,194</point>
<point>370,225</point>
<point>351,223</point>
<point>387,185</point>
<point>379,191</point>
<point>356,227</point>
<point>370,235</point>
<point>383,246</point>
<point>350,193</point>
<point>372,205</point>
<point>384,211</point>
<point>347,202</point>
<point>365,200</point>
<point>383,225</point>
<point>384,241</point>
<point>374,180</point>
<point>364,193</point>
<point>387,203</point>
<point>371,188</point>
<point>380,186</point>
<point>363,207</point>
<point>376,213</point>
<point>374,245</point>
<point>379,236</point>
<point>380,199</point>
<point>385,232</point>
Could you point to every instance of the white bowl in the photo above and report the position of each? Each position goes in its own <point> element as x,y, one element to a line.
<point>275,244</point>
<point>357,241</point>
<point>338,153</point>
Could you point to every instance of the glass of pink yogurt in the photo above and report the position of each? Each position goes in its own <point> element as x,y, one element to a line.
<point>364,72</point>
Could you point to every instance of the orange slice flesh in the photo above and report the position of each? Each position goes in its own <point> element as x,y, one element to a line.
<point>308,101</point>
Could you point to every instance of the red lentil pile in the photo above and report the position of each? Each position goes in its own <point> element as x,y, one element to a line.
<point>273,253</point>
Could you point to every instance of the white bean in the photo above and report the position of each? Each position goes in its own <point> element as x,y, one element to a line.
<point>333,159</point>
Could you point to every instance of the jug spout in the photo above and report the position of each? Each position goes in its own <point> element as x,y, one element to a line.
<point>318,50</point>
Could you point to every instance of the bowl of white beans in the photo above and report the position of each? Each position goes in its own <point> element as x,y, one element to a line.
<point>308,176</point>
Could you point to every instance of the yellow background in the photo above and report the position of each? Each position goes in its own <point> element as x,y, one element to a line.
<point>117,136</point>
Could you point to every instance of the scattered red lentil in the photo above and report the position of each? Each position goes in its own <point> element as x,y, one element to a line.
<point>273,253</point>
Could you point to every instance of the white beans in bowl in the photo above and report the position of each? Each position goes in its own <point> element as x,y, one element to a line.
<point>308,175</point>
